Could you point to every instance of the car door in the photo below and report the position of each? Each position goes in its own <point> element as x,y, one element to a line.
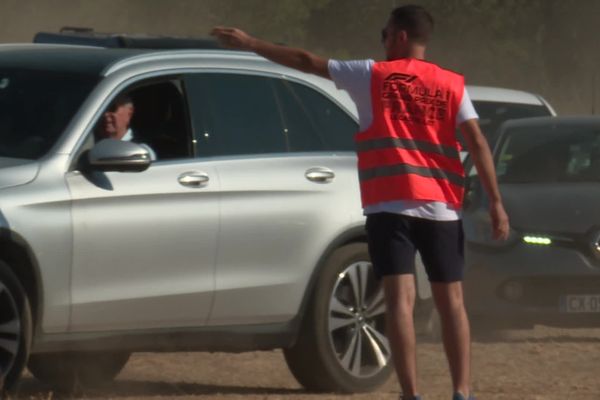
<point>144,243</point>
<point>286,189</point>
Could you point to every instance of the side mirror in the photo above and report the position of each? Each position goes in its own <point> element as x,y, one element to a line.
<point>118,155</point>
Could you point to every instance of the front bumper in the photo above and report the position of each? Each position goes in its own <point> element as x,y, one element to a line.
<point>522,285</point>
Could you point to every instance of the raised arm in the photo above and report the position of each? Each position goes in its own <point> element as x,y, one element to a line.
<point>483,160</point>
<point>299,59</point>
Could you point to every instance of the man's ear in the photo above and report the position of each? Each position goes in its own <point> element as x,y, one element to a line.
<point>401,36</point>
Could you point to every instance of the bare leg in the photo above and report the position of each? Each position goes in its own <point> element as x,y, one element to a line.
<point>456,334</point>
<point>400,301</point>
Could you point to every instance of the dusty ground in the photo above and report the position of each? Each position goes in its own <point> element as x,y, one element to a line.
<point>546,364</point>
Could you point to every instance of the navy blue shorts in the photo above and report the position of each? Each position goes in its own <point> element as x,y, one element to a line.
<point>394,239</point>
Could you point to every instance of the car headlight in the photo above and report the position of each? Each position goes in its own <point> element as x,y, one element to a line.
<point>537,240</point>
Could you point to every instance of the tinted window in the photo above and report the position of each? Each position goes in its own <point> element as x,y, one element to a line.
<point>35,108</point>
<point>244,114</point>
<point>235,114</point>
<point>160,119</point>
<point>550,154</point>
<point>312,121</point>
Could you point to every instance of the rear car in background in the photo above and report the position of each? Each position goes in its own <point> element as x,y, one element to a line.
<point>548,272</point>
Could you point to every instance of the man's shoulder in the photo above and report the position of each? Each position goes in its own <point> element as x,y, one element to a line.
<point>351,75</point>
<point>350,66</point>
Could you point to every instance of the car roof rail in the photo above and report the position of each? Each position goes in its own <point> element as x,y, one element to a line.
<point>71,35</point>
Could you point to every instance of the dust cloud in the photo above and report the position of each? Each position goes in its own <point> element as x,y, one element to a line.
<point>543,46</point>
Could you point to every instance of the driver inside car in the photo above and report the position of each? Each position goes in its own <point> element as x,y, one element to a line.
<point>115,123</point>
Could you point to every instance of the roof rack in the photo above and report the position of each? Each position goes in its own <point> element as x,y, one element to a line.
<point>88,37</point>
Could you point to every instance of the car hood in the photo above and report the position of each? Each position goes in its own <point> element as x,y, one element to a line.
<point>561,208</point>
<point>15,171</point>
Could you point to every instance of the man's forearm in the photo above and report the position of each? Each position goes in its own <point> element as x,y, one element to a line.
<point>484,162</point>
<point>482,158</point>
<point>299,59</point>
<point>295,58</point>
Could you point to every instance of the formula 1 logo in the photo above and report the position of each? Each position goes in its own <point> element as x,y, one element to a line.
<point>405,98</point>
<point>404,78</point>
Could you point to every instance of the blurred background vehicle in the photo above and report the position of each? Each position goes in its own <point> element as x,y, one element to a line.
<point>494,107</point>
<point>548,272</point>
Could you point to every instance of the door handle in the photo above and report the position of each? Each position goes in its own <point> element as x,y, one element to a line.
<point>193,179</point>
<point>320,175</point>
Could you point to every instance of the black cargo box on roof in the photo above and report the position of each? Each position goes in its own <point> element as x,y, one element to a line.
<point>88,37</point>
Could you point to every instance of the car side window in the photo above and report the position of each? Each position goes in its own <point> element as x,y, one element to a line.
<point>152,114</point>
<point>235,114</point>
<point>313,122</point>
<point>161,119</point>
<point>560,155</point>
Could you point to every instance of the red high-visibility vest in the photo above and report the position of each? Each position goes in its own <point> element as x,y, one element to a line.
<point>410,151</point>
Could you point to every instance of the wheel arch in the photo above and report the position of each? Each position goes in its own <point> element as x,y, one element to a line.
<point>15,252</point>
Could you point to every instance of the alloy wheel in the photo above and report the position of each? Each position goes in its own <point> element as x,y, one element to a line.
<point>356,323</point>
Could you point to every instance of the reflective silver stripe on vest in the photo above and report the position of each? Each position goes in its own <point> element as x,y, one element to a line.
<point>408,144</point>
<point>402,169</point>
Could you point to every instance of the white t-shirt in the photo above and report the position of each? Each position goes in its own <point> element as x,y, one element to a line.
<point>355,77</point>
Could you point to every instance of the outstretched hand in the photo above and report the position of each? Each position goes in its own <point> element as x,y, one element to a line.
<point>232,38</point>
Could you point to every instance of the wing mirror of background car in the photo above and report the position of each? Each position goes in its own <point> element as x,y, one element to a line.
<point>118,155</point>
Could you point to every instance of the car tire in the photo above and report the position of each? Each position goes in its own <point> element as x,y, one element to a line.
<point>15,328</point>
<point>75,371</point>
<point>341,345</point>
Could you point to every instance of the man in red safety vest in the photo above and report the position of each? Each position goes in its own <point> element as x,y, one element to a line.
<point>411,177</point>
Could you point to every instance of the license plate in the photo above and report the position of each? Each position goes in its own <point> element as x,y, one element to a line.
<point>582,303</point>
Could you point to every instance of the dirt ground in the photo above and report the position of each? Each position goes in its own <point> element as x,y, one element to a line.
<point>544,364</point>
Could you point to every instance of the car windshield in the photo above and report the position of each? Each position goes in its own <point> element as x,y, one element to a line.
<point>549,154</point>
<point>493,113</point>
<point>35,108</point>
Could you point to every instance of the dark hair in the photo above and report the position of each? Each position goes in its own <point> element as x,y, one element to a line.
<point>415,20</point>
